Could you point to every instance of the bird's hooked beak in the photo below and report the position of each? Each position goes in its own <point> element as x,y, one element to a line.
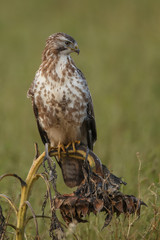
<point>76,49</point>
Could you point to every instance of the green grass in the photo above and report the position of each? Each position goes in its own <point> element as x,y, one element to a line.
<point>120,57</point>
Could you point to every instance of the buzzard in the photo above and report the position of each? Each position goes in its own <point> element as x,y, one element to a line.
<point>61,98</point>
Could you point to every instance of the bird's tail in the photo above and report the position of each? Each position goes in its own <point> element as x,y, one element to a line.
<point>71,170</point>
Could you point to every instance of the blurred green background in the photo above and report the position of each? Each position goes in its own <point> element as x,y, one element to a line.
<point>120,57</point>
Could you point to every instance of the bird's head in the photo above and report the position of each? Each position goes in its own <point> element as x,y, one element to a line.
<point>61,43</point>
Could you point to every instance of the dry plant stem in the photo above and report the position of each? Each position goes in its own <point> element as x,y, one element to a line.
<point>10,202</point>
<point>47,186</point>
<point>37,216</point>
<point>25,191</point>
<point>34,217</point>
<point>139,172</point>
<point>13,175</point>
<point>131,224</point>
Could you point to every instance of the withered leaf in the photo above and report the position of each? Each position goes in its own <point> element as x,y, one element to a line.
<point>98,205</point>
<point>97,193</point>
<point>58,202</point>
<point>130,205</point>
<point>85,210</point>
<point>70,201</point>
<point>107,220</point>
<point>119,206</point>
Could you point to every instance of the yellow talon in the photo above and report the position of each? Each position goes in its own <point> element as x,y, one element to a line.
<point>77,142</point>
<point>61,147</point>
<point>64,148</point>
<point>68,145</point>
<point>73,144</point>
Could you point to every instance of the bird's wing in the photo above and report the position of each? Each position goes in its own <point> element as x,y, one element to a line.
<point>42,133</point>
<point>89,125</point>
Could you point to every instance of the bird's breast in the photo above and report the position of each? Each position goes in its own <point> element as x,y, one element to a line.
<point>63,100</point>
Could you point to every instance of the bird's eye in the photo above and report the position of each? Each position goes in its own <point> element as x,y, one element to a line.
<point>67,43</point>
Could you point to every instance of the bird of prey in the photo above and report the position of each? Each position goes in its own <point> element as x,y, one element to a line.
<point>60,96</point>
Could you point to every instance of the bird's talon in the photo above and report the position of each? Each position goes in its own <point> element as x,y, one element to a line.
<point>73,146</point>
<point>61,147</point>
<point>77,142</point>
